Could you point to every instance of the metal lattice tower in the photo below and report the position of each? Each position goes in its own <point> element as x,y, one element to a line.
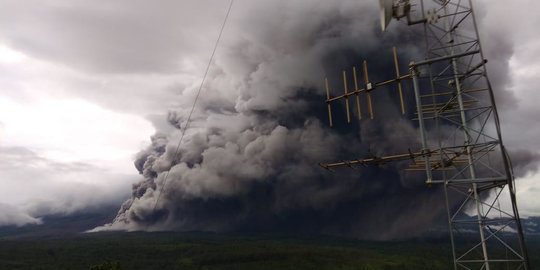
<point>462,147</point>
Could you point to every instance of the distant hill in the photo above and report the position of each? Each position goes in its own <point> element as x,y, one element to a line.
<point>531,226</point>
<point>61,225</point>
<point>76,223</point>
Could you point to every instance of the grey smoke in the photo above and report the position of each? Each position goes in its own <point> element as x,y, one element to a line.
<point>249,159</point>
<point>48,183</point>
<point>524,161</point>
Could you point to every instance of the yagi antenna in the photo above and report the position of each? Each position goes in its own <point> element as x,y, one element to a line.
<point>386,12</point>
<point>367,87</point>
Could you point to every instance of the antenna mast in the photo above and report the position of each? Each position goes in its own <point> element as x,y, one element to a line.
<point>462,146</point>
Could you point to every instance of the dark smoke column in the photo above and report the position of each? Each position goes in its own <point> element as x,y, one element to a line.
<point>249,160</point>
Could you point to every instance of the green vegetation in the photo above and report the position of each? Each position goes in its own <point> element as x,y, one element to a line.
<point>107,266</point>
<point>130,251</point>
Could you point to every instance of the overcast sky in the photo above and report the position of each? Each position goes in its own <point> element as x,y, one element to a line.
<point>84,84</point>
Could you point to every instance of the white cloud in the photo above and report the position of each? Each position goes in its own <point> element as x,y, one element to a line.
<point>71,129</point>
<point>10,56</point>
<point>527,192</point>
<point>39,186</point>
<point>64,155</point>
<point>12,215</point>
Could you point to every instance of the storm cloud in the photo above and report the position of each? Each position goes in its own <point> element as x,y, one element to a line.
<point>249,159</point>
